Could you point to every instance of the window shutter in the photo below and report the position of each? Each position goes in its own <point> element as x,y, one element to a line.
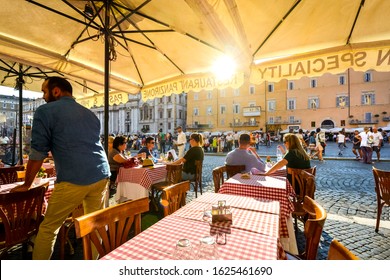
<point>337,101</point>
<point>373,99</point>
<point>362,99</point>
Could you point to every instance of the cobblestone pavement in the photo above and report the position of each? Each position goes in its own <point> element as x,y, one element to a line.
<point>345,188</point>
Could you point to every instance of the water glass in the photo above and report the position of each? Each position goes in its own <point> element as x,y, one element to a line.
<point>183,250</point>
<point>221,237</point>
<point>207,216</point>
<point>207,249</point>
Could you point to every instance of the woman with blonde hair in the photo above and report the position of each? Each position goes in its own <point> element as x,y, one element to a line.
<point>295,157</point>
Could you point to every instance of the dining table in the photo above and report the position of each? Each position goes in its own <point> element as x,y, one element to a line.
<point>5,188</point>
<point>273,188</point>
<point>136,182</point>
<point>252,233</point>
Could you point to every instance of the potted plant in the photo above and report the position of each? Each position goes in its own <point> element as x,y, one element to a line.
<point>40,175</point>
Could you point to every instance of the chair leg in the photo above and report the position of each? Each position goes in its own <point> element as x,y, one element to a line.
<point>62,238</point>
<point>378,217</point>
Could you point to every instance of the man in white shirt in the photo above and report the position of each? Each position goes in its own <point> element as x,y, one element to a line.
<point>341,142</point>
<point>378,138</point>
<point>181,141</point>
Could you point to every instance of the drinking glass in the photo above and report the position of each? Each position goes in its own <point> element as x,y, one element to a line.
<point>207,249</point>
<point>183,250</point>
<point>207,215</point>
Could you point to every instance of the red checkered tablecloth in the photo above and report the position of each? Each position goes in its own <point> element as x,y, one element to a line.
<point>162,237</point>
<point>144,176</point>
<point>263,187</point>
<point>255,221</point>
<point>253,235</point>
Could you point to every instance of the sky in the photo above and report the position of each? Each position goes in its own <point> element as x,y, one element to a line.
<point>26,93</point>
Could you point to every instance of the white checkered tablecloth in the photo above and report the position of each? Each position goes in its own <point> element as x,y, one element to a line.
<point>135,251</point>
<point>144,176</point>
<point>263,187</point>
<point>162,237</point>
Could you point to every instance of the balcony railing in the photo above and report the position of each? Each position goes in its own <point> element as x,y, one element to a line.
<point>285,122</point>
<point>199,126</point>
<point>356,121</point>
<point>241,124</point>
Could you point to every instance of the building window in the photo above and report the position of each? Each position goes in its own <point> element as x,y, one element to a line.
<point>169,99</point>
<point>251,89</point>
<point>222,109</point>
<point>180,98</point>
<point>367,77</point>
<point>209,94</point>
<point>4,105</point>
<point>209,110</point>
<point>367,117</point>
<point>161,114</point>
<point>150,113</point>
<point>342,123</point>
<point>169,126</point>
<point>196,112</point>
<point>368,98</point>
<point>180,114</point>
<point>342,101</point>
<point>223,122</point>
<point>169,113</point>
<point>313,83</point>
<point>270,87</point>
<point>291,104</point>
<point>314,103</point>
<point>196,96</point>
<point>160,100</point>
<point>313,124</point>
<point>291,119</point>
<point>236,108</point>
<point>341,79</point>
<point>271,120</point>
<point>271,105</point>
<point>236,92</point>
<point>291,85</point>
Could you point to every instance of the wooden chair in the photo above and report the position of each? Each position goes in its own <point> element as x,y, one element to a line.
<point>21,215</point>
<point>338,251</point>
<point>197,181</point>
<point>232,170</point>
<point>173,177</point>
<point>382,189</point>
<point>9,175</point>
<point>312,229</point>
<point>68,224</point>
<point>304,180</point>
<point>219,177</point>
<point>174,197</point>
<point>109,228</point>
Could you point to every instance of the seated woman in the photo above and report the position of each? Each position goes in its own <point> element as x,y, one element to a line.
<point>194,153</point>
<point>296,156</point>
<point>116,157</point>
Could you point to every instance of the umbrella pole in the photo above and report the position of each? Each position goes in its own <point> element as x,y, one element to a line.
<point>106,73</point>
<point>20,86</point>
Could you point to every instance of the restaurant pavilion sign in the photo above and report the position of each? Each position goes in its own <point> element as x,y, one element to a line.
<point>98,99</point>
<point>316,64</point>
<point>194,83</point>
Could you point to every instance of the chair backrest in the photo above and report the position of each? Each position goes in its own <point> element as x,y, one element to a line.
<point>218,177</point>
<point>232,170</point>
<point>9,175</point>
<point>173,173</point>
<point>199,170</point>
<point>21,214</point>
<point>303,182</point>
<point>382,185</point>
<point>313,227</point>
<point>174,197</point>
<point>338,251</point>
<point>109,228</point>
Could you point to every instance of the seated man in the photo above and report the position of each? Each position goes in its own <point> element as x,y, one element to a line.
<point>148,148</point>
<point>245,155</point>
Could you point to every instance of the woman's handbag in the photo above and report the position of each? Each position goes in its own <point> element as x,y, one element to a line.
<point>132,162</point>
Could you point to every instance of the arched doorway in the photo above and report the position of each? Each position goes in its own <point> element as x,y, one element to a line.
<point>327,124</point>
